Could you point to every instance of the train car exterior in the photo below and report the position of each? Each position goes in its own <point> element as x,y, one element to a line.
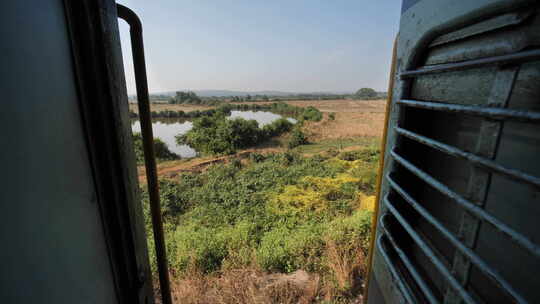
<point>459,200</point>
<point>72,229</point>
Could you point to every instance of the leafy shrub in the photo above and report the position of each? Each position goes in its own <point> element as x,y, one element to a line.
<point>297,138</point>
<point>257,157</point>
<point>369,154</point>
<point>217,134</point>
<point>287,249</point>
<point>277,127</point>
<point>315,195</point>
<point>332,116</point>
<point>161,150</point>
<point>312,113</point>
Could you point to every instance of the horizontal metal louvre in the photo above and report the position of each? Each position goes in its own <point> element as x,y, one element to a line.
<point>403,287</point>
<point>426,249</point>
<point>480,213</point>
<point>474,159</point>
<point>514,58</point>
<point>408,264</point>
<point>489,271</point>
<point>491,113</point>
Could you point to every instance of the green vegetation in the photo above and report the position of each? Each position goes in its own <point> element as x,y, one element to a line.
<point>332,116</point>
<point>276,212</point>
<point>218,135</point>
<point>161,150</point>
<point>185,98</point>
<point>297,138</point>
<point>366,93</point>
<point>332,147</point>
<point>309,113</point>
<point>189,97</point>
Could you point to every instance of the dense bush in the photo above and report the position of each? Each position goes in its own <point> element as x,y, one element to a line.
<point>332,116</point>
<point>185,98</point>
<point>311,113</point>
<point>276,128</point>
<point>217,134</point>
<point>367,163</point>
<point>297,138</point>
<point>161,150</point>
<point>280,211</point>
<point>370,154</point>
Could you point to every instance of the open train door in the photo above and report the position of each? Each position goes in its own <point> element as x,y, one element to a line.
<point>459,199</point>
<point>72,229</point>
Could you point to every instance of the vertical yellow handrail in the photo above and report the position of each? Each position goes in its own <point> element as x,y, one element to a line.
<point>381,169</point>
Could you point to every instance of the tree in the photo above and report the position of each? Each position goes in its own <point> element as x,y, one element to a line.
<point>366,93</point>
<point>161,150</point>
<point>186,98</point>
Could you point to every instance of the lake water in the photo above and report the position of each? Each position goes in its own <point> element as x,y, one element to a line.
<point>167,129</point>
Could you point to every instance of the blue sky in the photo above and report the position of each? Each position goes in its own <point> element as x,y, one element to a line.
<point>286,45</point>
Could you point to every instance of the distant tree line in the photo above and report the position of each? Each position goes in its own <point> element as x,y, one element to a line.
<point>190,97</point>
<point>300,113</point>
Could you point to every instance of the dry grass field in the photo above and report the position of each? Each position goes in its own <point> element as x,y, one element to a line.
<point>353,118</point>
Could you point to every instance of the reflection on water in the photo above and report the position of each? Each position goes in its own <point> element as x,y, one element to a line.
<point>263,118</point>
<point>166,129</point>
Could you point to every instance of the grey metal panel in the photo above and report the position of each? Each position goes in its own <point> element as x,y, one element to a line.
<point>420,24</point>
<point>406,4</point>
<point>53,246</point>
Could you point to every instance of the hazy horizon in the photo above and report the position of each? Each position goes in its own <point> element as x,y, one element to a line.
<point>297,47</point>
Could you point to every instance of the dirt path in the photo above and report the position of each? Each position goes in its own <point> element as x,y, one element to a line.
<point>172,169</point>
